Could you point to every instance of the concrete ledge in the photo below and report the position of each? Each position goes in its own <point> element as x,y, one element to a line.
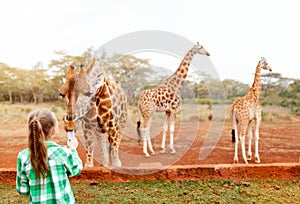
<point>276,171</point>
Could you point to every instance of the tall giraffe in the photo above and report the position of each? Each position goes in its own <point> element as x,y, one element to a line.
<point>243,111</point>
<point>103,112</point>
<point>165,98</point>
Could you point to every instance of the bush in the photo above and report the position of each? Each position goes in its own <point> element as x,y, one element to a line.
<point>204,101</point>
<point>54,109</point>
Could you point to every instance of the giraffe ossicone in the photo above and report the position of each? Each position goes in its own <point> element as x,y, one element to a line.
<point>164,98</point>
<point>243,111</point>
<point>99,106</point>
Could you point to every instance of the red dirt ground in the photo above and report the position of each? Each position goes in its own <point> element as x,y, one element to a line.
<point>279,143</point>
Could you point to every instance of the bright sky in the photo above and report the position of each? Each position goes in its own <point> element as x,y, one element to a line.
<point>236,33</point>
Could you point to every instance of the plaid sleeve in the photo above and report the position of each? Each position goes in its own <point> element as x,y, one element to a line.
<point>22,182</point>
<point>74,163</point>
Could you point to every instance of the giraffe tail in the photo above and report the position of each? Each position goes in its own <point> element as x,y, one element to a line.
<point>233,135</point>
<point>138,129</point>
<point>233,124</point>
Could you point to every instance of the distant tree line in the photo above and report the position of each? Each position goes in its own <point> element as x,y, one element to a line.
<point>40,84</point>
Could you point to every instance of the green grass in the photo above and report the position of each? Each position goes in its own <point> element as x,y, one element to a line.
<point>201,191</point>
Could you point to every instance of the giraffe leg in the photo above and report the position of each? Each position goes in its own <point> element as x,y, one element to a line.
<point>249,154</point>
<point>89,159</point>
<point>101,139</point>
<point>242,131</point>
<point>172,128</point>
<point>115,160</point>
<point>257,159</point>
<point>243,148</point>
<point>89,142</point>
<point>145,135</point>
<point>149,141</point>
<point>236,147</point>
<point>165,129</point>
<point>104,151</point>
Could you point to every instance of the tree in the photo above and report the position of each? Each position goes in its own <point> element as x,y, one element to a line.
<point>200,90</point>
<point>5,81</point>
<point>235,88</point>
<point>11,80</point>
<point>129,72</point>
<point>37,82</point>
<point>291,97</point>
<point>121,66</point>
<point>58,67</point>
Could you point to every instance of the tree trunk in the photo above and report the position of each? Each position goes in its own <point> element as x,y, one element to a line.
<point>10,96</point>
<point>34,98</point>
<point>21,98</point>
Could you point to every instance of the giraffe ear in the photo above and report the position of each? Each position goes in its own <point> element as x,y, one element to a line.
<point>71,69</point>
<point>198,43</point>
<point>82,69</point>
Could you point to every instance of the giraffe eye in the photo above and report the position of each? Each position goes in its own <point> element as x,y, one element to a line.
<point>62,95</point>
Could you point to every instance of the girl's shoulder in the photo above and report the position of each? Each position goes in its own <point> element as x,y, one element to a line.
<point>23,157</point>
<point>56,149</point>
<point>23,153</point>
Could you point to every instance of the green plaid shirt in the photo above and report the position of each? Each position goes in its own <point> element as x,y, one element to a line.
<point>55,188</point>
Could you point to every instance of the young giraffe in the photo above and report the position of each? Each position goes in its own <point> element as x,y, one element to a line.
<point>165,98</point>
<point>243,111</point>
<point>105,111</point>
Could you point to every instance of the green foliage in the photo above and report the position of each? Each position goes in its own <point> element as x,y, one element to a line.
<point>235,88</point>
<point>129,72</point>
<point>40,84</point>
<point>264,103</point>
<point>27,110</point>
<point>200,101</point>
<point>291,97</point>
<point>54,109</point>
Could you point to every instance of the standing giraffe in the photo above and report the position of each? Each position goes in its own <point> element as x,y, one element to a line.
<point>243,111</point>
<point>165,98</point>
<point>103,112</point>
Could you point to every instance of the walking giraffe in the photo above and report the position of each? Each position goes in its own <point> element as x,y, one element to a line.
<point>165,98</point>
<point>243,111</point>
<point>103,112</point>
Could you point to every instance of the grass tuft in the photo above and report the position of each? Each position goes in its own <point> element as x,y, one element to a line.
<point>201,191</point>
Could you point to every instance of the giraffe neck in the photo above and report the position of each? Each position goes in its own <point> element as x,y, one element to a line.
<point>256,86</point>
<point>176,80</point>
<point>104,91</point>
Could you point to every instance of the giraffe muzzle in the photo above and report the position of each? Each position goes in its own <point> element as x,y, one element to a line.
<point>69,123</point>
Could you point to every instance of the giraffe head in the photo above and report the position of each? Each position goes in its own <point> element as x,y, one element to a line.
<point>74,84</point>
<point>199,49</point>
<point>264,65</point>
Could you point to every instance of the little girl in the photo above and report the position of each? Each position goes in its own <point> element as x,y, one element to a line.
<point>44,167</point>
